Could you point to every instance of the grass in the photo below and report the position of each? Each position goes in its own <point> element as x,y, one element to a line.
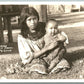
<point>75,58</point>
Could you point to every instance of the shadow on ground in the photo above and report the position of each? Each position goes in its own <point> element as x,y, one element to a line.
<point>75,55</point>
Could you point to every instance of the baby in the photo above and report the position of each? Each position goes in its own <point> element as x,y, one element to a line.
<point>54,35</point>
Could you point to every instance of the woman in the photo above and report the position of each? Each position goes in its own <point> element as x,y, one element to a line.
<point>31,41</point>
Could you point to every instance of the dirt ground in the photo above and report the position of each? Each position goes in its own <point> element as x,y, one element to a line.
<point>75,58</point>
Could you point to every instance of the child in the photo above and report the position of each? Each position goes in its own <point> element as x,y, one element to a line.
<point>54,35</point>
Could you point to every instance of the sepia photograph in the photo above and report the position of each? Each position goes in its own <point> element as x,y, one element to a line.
<point>42,41</point>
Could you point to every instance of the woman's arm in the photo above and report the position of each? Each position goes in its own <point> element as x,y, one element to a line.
<point>43,51</point>
<point>24,49</point>
<point>27,54</point>
<point>40,53</point>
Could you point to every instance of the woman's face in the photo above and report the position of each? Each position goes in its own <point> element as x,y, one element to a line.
<point>32,22</point>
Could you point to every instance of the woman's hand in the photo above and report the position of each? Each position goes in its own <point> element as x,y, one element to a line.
<point>61,38</point>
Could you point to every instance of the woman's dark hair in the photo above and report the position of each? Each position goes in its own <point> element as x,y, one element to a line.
<point>26,12</point>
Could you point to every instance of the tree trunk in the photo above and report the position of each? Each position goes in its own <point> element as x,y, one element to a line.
<point>10,39</point>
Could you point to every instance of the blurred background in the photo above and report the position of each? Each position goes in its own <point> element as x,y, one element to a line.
<point>10,14</point>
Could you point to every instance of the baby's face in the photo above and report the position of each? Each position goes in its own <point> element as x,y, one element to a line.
<point>52,28</point>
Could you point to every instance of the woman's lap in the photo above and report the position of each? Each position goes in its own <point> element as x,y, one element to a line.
<point>40,66</point>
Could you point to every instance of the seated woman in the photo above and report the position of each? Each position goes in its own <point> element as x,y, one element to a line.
<point>31,42</point>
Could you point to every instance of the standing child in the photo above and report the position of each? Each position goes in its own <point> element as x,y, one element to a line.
<point>53,34</point>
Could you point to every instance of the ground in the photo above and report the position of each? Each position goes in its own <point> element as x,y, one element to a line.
<point>75,56</point>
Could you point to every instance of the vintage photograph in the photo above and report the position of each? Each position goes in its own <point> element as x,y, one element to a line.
<point>44,41</point>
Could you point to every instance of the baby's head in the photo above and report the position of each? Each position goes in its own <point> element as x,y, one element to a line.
<point>51,27</point>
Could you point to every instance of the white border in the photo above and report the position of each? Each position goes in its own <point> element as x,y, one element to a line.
<point>42,80</point>
<point>40,3</point>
